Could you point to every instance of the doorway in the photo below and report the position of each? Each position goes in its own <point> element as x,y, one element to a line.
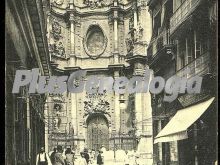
<point>97,132</point>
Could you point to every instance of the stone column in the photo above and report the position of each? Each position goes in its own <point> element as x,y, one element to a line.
<point>145,20</point>
<point>144,120</point>
<point>138,70</point>
<point>115,24</point>
<point>74,112</point>
<point>135,17</point>
<point>72,36</point>
<point>46,109</point>
<point>48,32</point>
<point>142,25</point>
<point>117,107</point>
<point>137,47</point>
<point>116,34</point>
<point>29,126</point>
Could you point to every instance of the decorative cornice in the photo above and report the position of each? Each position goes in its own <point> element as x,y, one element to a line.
<point>103,11</point>
<point>136,58</point>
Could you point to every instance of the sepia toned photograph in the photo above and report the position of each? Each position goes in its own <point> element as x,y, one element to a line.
<point>111,82</point>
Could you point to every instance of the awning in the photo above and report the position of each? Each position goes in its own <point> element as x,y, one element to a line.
<point>176,129</point>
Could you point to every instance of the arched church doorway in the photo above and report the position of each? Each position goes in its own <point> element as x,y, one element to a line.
<point>97,132</point>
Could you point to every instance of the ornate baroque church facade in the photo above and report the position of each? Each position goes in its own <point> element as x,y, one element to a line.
<point>107,38</point>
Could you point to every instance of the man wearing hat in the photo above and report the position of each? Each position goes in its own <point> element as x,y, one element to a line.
<point>42,158</point>
<point>59,160</point>
<point>100,159</point>
<point>86,155</point>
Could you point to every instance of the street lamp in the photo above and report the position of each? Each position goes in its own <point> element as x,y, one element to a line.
<point>122,107</point>
<point>122,101</point>
<point>113,133</point>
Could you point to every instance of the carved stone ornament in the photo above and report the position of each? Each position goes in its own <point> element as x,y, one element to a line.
<point>94,3</point>
<point>57,49</point>
<point>95,42</point>
<point>56,30</point>
<point>58,98</point>
<point>58,2</point>
<point>141,3</point>
<point>37,102</point>
<point>96,103</point>
<point>129,43</point>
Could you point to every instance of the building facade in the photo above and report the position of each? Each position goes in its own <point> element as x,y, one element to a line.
<point>106,39</point>
<point>26,48</point>
<point>112,39</point>
<point>184,43</point>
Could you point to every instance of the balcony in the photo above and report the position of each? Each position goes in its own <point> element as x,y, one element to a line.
<point>160,50</point>
<point>182,13</point>
<point>200,66</point>
<point>158,42</point>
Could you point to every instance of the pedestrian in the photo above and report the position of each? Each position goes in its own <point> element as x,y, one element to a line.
<point>82,160</point>
<point>86,155</point>
<point>52,156</point>
<point>42,158</point>
<point>100,158</point>
<point>91,156</point>
<point>136,160</point>
<point>59,160</point>
<point>69,157</point>
<point>126,159</point>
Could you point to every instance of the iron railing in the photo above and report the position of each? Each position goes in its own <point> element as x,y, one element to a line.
<point>158,42</point>
<point>200,66</point>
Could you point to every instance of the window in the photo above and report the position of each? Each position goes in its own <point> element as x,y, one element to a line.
<point>157,24</point>
<point>182,53</point>
<point>190,48</point>
<point>197,43</point>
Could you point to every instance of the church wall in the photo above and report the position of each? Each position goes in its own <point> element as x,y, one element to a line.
<point>125,115</point>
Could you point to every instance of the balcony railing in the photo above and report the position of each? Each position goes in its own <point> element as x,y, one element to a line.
<point>158,42</point>
<point>187,7</point>
<point>200,66</point>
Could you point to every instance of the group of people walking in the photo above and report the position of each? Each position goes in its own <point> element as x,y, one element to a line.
<point>57,157</point>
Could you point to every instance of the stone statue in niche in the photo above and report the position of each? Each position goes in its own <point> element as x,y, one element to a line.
<point>131,23</point>
<point>57,119</point>
<point>94,3</point>
<point>139,32</point>
<point>129,44</point>
<point>57,122</point>
<point>71,129</point>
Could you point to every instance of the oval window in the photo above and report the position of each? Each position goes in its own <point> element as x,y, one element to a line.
<point>95,42</point>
